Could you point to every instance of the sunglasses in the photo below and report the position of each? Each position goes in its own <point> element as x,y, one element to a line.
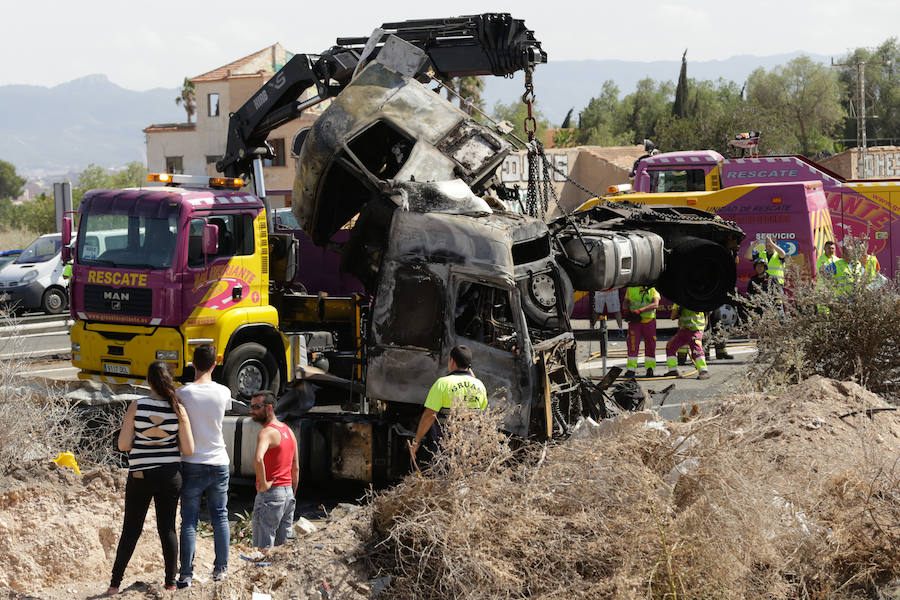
<point>256,406</point>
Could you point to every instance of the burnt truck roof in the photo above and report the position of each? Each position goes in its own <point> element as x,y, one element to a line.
<point>383,131</point>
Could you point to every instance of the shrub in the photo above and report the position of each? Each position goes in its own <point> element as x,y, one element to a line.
<point>822,327</point>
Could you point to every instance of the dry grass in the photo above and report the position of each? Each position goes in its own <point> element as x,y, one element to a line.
<point>759,500</point>
<point>37,422</point>
<point>14,239</point>
<point>844,334</point>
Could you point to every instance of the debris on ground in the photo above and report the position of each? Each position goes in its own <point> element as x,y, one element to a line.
<point>766,496</point>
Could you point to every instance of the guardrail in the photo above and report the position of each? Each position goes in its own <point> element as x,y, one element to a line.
<point>36,325</point>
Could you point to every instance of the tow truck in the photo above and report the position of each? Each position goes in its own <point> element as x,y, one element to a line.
<point>862,208</point>
<point>441,261</point>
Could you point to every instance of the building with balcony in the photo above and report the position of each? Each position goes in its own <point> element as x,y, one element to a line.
<point>194,147</point>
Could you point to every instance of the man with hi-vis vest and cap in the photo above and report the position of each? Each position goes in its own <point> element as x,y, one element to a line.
<point>641,303</point>
<point>458,388</point>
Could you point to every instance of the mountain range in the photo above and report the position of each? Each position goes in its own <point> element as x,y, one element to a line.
<point>64,128</point>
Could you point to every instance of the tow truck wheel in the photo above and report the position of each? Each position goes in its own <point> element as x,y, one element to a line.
<point>249,368</point>
<point>54,301</point>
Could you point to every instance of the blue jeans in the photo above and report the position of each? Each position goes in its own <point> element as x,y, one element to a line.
<point>213,480</point>
<point>273,514</point>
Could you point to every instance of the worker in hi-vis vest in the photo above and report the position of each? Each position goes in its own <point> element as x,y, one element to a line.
<point>640,307</point>
<point>690,333</point>
<point>774,256</point>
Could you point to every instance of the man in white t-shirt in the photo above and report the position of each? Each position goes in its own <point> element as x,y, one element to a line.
<point>205,471</point>
<point>607,302</point>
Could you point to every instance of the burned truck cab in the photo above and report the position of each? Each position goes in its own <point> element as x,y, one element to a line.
<point>443,264</point>
<point>450,279</point>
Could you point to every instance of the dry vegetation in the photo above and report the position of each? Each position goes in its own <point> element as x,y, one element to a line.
<point>778,493</point>
<point>850,333</point>
<point>11,239</point>
<point>770,497</point>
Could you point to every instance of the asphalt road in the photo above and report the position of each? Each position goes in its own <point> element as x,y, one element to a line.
<point>688,389</point>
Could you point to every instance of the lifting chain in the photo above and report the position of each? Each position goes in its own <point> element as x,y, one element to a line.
<point>536,207</point>
<point>528,99</point>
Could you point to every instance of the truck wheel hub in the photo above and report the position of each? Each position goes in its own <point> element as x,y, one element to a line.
<point>251,378</point>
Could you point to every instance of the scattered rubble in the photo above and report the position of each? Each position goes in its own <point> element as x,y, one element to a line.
<point>767,496</point>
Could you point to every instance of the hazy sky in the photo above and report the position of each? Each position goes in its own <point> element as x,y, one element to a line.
<point>156,44</point>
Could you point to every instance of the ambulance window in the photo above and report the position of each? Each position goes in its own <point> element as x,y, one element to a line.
<point>484,314</point>
<point>243,235</point>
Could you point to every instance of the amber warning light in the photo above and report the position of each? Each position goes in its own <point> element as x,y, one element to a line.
<point>196,180</point>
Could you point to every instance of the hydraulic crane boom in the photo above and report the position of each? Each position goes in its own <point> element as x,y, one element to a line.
<point>487,44</point>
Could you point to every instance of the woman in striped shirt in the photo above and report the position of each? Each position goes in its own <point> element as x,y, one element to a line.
<point>155,433</point>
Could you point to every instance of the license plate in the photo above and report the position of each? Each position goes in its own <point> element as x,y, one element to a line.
<point>117,369</point>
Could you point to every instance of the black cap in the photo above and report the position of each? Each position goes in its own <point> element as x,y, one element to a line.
<point>462,356</point>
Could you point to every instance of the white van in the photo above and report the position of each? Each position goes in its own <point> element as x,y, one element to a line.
<point>34,280</point>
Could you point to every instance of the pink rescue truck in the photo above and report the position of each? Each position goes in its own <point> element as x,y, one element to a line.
<point>862,208</point>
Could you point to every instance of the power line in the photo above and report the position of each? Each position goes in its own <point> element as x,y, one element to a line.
<point>861,143</point>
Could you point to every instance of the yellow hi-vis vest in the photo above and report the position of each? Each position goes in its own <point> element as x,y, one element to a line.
<point>639,297</point>
<point>690,320</point>
<point>775,267</point>
<point>872,267</point>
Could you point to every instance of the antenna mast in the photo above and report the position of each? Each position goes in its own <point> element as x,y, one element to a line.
<point>860,96</point>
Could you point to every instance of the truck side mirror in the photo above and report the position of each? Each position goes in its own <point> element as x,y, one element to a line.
<point>210,239</point>
<point>66,231</point>
<point>66,239</point>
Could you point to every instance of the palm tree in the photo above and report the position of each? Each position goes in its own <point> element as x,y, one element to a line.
<point>188,98</point>
<point>471,88</point>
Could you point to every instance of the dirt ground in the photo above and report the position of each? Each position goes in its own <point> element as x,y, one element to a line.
<point>59,530</point>
<point>789,465</point>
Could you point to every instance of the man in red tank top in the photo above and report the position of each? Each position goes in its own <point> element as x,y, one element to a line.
<point>277,474</point>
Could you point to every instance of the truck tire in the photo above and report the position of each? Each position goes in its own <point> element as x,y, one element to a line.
<point>54,301</point>
<point>699,274</point>
<point>249,368</point>
<point>540,298</point>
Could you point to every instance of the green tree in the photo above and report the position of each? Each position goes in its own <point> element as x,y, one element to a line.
<point>565,138</point>
<point>133,175</point>
<point>188,98</point>
<point>39,215</point>
<point>716,112</point>
<point>10,182</point>
<point>882,91</point>
<point>95,177</point>
<point>680,108</point>
<point>602,122</point>
<point>802,103</point>
<point>645,108</point>
<point>515,113</point>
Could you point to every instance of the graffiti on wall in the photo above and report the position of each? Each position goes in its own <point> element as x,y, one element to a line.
<point>515,167</point>
<point>882,165</point>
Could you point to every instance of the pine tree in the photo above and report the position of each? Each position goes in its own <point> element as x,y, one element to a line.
<point>680,108</point>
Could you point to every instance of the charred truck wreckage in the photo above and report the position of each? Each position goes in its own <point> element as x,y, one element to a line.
<point>441,259</point>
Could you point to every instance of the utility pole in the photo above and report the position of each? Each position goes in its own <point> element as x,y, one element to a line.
<point>861,142</point>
